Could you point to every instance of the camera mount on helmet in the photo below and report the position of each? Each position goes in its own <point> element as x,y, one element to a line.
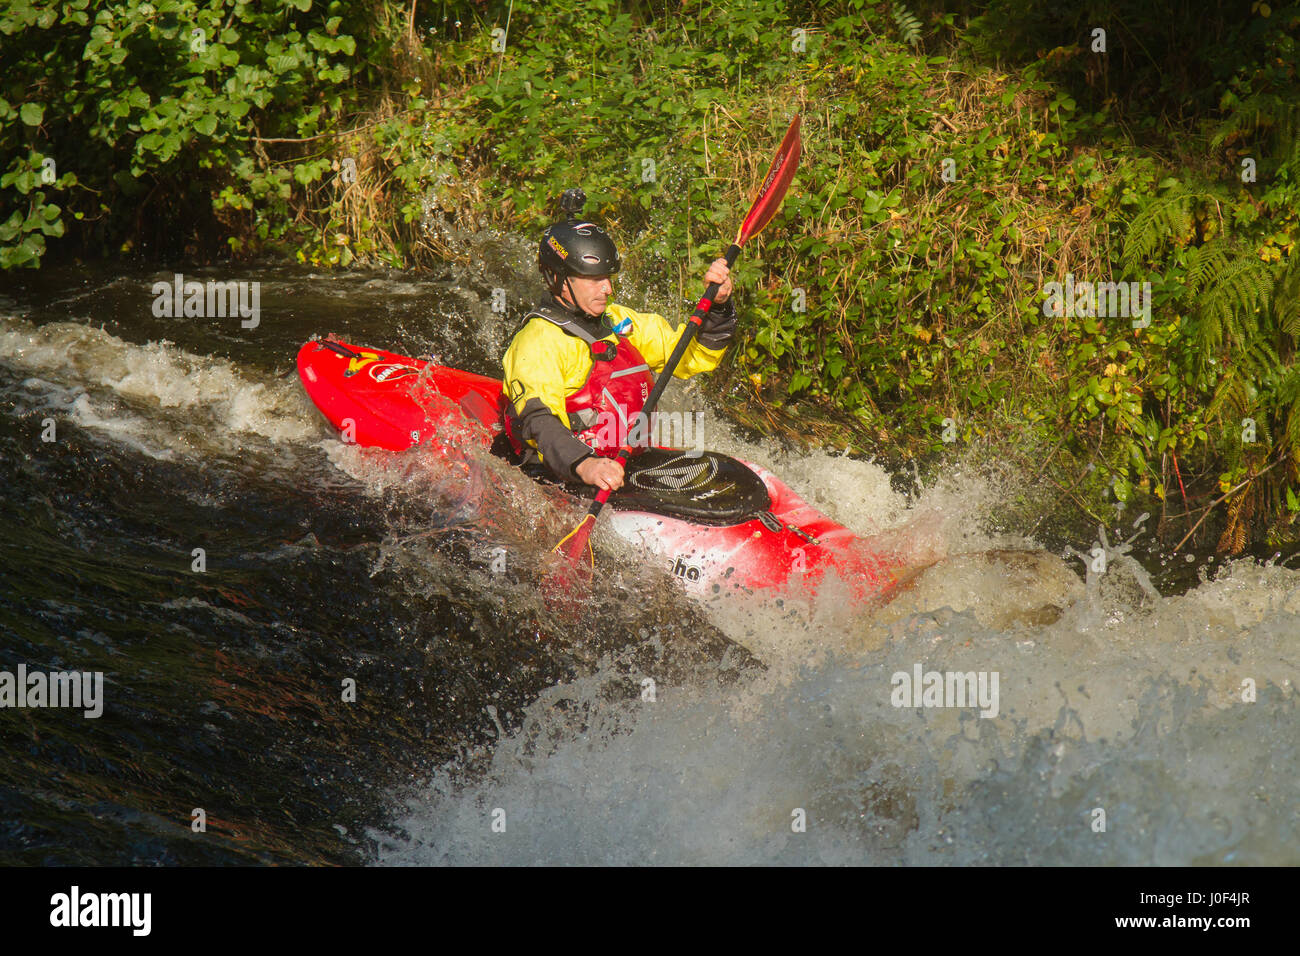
<point>575,247</point>
<point>572,202</point>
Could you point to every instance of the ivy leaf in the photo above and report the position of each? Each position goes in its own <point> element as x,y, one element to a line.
<point>32,113</point>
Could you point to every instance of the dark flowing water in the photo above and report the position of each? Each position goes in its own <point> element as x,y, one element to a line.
<point>327,567</point>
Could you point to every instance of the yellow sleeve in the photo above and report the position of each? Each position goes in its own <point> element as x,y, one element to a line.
<point>655,339</point>
<point>546,364</point>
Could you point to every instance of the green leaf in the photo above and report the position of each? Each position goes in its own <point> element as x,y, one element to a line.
<point>32,113</point>
<point>11,227</point>
<point>52,227</point>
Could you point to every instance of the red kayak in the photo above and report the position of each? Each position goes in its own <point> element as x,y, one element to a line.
<point>718,523</point>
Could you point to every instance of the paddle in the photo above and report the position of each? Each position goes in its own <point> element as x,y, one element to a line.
<point>577,542</point>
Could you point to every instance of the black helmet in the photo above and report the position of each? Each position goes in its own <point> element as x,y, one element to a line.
<point>575,247</point>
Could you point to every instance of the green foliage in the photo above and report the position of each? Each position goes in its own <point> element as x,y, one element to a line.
<point>1163,65</point>
<point>156,112</point>
<point>1211,102</point>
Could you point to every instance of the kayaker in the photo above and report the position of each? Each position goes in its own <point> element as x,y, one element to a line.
<point>579,371</point>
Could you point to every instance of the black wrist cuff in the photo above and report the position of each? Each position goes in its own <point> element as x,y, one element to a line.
<point>718,326</point>
<point>573,469</point>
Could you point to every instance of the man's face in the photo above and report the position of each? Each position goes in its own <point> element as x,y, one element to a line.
<point>591,294</point>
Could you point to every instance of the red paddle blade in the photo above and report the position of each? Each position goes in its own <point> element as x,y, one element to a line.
<point>565,586</point>
<point>768,199</point>
<point>576,545</point>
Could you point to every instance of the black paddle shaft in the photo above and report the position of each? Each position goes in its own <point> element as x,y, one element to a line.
<point>683,343</point>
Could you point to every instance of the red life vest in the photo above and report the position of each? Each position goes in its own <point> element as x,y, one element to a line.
<point>606,412</point>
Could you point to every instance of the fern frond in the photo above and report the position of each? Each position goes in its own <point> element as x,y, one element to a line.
<point>1260,359</point>
<point>1232,396</point>
<point>1270,121</point>
<point>1256,114</point>
<point>1288,389</point>
<point>908,26</point>
<point>1264,433</point>
<point>1286,298</point>
<point>1164,219</point>
<point>981,46</point>
<point>1293,432</point>
<point>1235,294</point>
<point>1285,402</point>
<point>1205,261</point>
<point>1233,537</point>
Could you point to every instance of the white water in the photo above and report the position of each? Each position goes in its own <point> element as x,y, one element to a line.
<point>1118,708</point>
<point>1136,712</point>
<point>167,401</point>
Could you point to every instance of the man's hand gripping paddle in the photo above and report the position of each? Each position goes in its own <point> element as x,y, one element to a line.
<point>576,545</point>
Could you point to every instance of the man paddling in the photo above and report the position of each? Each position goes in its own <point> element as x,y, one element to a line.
<point>578,373</point>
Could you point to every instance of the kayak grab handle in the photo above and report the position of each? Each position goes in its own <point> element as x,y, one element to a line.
<point>338,347</point>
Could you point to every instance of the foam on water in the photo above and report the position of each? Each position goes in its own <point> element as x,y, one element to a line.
<point>1138,714</point>
<point>216,406</point>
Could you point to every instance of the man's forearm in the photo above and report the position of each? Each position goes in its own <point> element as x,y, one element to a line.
<point>560,449</point>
